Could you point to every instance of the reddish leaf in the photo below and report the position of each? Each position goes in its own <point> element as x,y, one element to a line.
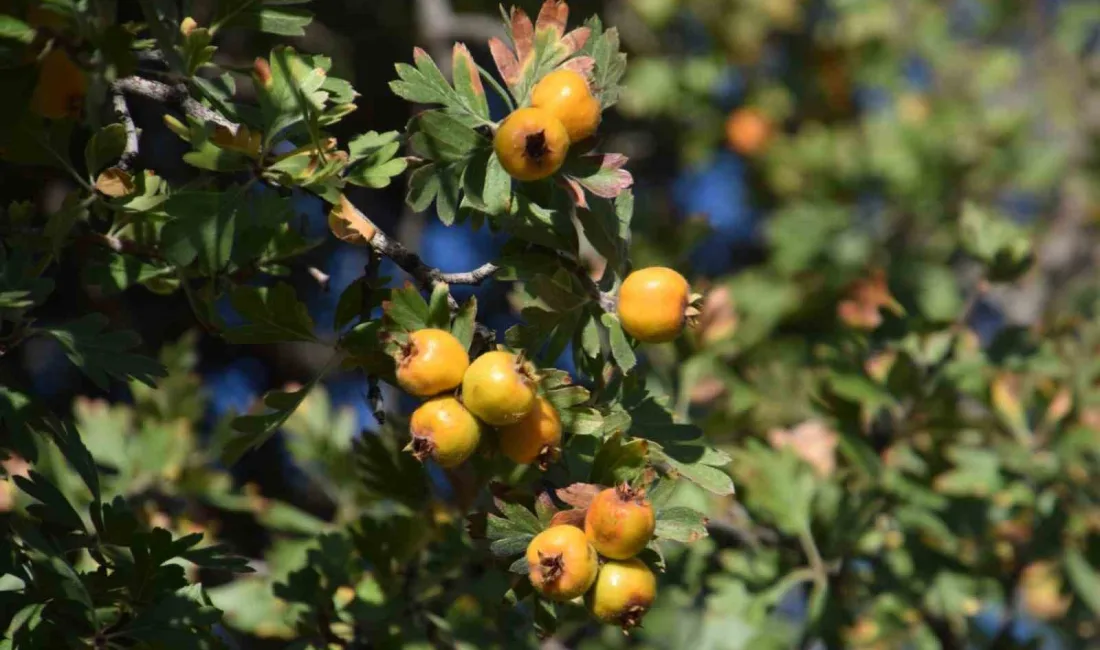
<point>575,40</point>
<point>602,174</point>
<point>579,495</point>
<point>467,80</point>
<point>505,60</point>
<point>569,518</point>
<point>552,17</point>
<point>575,191</point>
<point>865,297</point>
<point>523,37</point>
<point>582,65</point>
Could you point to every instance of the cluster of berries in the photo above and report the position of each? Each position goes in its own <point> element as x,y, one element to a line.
<point>498,389</point>
<point>532,142</point>
<point>565,562</point>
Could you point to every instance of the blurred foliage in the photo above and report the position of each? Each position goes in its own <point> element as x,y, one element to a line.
<point>891,206</point>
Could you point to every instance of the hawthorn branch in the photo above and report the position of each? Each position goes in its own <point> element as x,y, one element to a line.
<point>122,112</point>
<point>176,95</point>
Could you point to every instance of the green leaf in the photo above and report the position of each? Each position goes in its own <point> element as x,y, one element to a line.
<point>104,355</point>
<point>467,82</point>
<point>113,273</point>
<point>496,193</point>
<point>202,228</point>
<point>603,46</point>
<point>53,507</point>
<point>621,350</point>
<point>439,311</point>
<point>425,84</point>
<point>372,162</point>
<point>386,472</point>
<point>1004,246</point>
<point>293,90</point>
<point>257,429</point>
<point>681,524</point>
<point>407,308</point>
<point>15,413</point>
<point>519,519</point>
<point>464,323</point>
<point>19,288</point>
<point>441,183</point>
<point>1084,578</point>
<point>618,461</point>
<point>13,29</point>
<point>440,136</point>
<point>601,227</point>
<point>104,147</point>
<point>274,315</point>
<point>270,16</point>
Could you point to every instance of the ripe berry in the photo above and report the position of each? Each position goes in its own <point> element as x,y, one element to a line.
<point>445,431</point>
<point>499,388</point>
<point>536,437</point>
<point>531,144</point>
<point>430,362</point>
<point>747,131</point>
<point>653,304</point>
<point>623,592</point>
<point>561,563</point>
<point>61,87</point>
<point>565,94</point>
<point>620,522</point>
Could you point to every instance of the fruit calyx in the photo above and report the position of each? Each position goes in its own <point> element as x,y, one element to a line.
<point>627,494</point>
<point>694,309</point>
<point>552,566</point>
<point>422,448</point>
<point>548,455</point>
<point>525,369</point>
<point>632,617</point>
<point>534,146</point>
<point>406,351</point>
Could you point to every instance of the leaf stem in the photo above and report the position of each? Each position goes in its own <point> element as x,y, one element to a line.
<point>505,95</point>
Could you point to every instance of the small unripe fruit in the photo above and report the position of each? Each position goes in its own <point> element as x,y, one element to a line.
<point>565,94</point>
<point>499,388</point>
<point>561,563</point>
<point>653,304</point>
<point>443,430</point>
<point>623,593</point>
<point>537,437</point>
<point>430,362</point>
<point>531,144</point>
<point>620,522</point>
<point>59,92</point>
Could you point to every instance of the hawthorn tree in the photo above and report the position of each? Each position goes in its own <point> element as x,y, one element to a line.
<point>85,568</point>
<point>894,367</point>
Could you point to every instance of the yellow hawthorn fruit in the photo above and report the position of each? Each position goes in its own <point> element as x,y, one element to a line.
<point>623,593</point>
<point>536,437</point>
<point>430,362</point>
<point>561,563</point>
<point>531,144</point>
<point>620,522</point>
<point>61,86</point>
<point>565,95</point>
<point>443,430</point>
<point>654,304</point>
<point>499,388</point>
<point>747,131</point>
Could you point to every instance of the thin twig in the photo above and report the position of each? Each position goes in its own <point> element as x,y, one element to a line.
<point>122,246</point>
<point>122,112</point>
<point>177,95</point>
<point>323,279</point>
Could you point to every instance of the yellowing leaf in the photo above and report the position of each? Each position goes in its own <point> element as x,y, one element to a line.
<point>349,224</point>
<point>114,182</point>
